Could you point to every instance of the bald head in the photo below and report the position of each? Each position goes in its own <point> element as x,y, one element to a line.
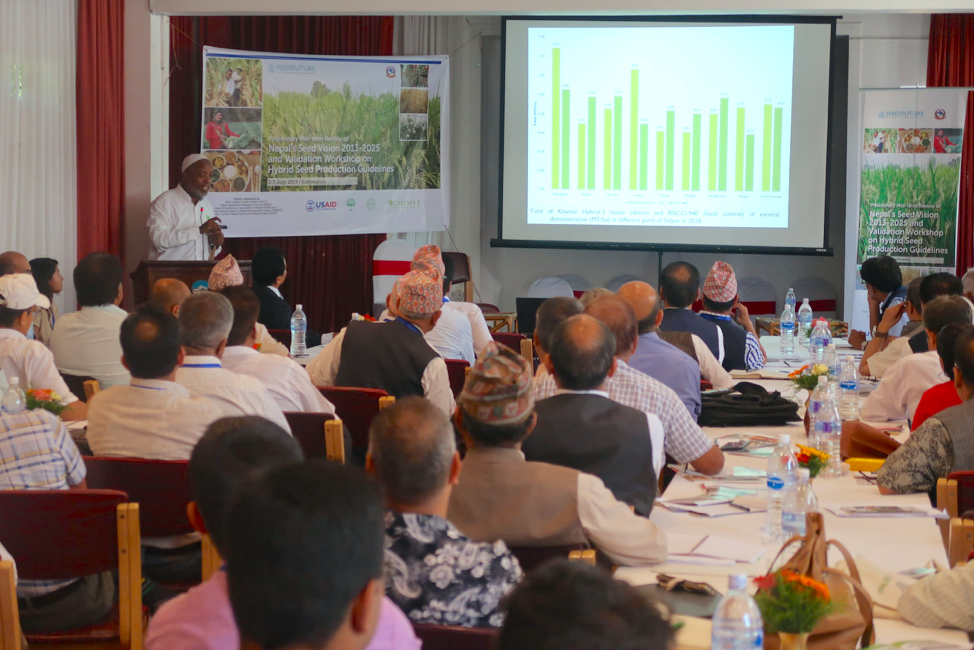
<point>646,303</point>
<point>582,353</point>
<point>13,262</point>
<point>618,315</point>
<point>411,449</point>
<point>169,294</point>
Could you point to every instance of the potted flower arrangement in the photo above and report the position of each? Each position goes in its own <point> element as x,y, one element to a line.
<point>44,399</point>
<point>812,459</point>
<point>791,605</point>
<point>806,377</point>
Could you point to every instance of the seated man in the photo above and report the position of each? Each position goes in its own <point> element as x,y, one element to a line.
<point>649,312</point>
<point>884,289</point>
<point>152,417</point>
<point>573,606</point>
<point>433,572</point>
<point>679,288</point>
<point>722,306</point>
<point>168,294</point>
<point>85,343</point>
<point>30,361</point>
<point>682,438</point>
<point>582,428</point>
<point>269,269</point>
<point>36,453</point>
<point>205,320</point>
<point>500,496</point>
<point>474,314</point>
<point>304,560</point>
<point>392,355</point>
<point>552,313</point>
<point>942,396</point>
<point>452,336</point>
<point>943,444</point>
<point>899,392</point>
<point>284,378</point>
<point>12,262</point>
<point>226,273</point>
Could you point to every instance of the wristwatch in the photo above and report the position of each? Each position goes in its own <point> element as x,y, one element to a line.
<point>879,335</point>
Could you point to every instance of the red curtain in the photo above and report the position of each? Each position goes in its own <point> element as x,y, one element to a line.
<point>331,276</point>
<point>101,125</point>
<point>950,63</point>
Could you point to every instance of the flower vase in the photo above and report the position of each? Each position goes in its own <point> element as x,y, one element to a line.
<point>793,641</point>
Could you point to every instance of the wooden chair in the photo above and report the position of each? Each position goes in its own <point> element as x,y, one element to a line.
<point>211,558</point>
<point>9,615</point>
<point>91,388</point>
<point>510,339</point>
<point>63,534</point>
<point>320,435</point>
<point>450,637</point>
<point>527,350</point>
<point>461,273</point>
<point>356,407</point>
<point>456,370</point>
<point>79,386</point>
<point>955,494</point>
<point>531,557</point>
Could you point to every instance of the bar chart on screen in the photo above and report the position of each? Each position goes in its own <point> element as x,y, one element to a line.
<point>660,125</point>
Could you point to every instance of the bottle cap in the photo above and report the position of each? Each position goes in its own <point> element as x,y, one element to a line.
<point>784,438</point>
<point>737,582</point>
<point>831,346</point>
<point>300,307</point>
<point>803,473</point>
<point>804,301</point>
<point>14,381</point>
<point>823,379</point>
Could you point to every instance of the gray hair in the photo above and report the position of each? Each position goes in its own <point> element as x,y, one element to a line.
<point>589,296</point>
<point>412,446</point>
<point>205,319</point>
<point>968,281</point>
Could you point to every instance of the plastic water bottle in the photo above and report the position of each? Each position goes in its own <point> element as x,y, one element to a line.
<point>849,390</point>
<point>737,623</point>
<point>787,330</point>
<point>828,429</point>
<point>819,342</point>
<point>14,401</point>
<point>804,322</point>
<point>299,328</point>
<point>781,475</point>
<point>832,361</point>
<point>790,300</point>
<point>799,501</point>
<point>816,403</point>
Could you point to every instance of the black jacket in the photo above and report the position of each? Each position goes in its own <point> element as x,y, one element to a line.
<point>275,314</point>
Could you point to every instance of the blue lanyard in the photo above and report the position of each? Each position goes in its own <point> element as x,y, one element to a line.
<point>146,387</point>
<point>201,365</point>
<point>406,323</point>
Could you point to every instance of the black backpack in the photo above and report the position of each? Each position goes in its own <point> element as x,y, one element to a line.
<point>747,405</point>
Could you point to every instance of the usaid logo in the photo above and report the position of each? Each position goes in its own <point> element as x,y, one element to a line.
<point>312,206</point>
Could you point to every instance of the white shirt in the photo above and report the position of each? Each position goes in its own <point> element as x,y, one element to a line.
<point>625,537</point>
<point>150,418</point>
<point>86,343</point>
<point>268,344</point>
<point>234,394</point>
<point>435,381</point>
<point>883,360</point>
<point>478,324</point>
<point>655,428</point>
<point>284,379</point>
<point>942,600</point>
<point>451,336</point>
<point>32,363</point>
<point>710,368</point>
<point>174,226</point>
<point>903,385</point>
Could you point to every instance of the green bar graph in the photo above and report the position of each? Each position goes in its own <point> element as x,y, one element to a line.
<point>633,124</point>
<point>749,176</point>
<point>685,157</point>
<point>643,156</point>
<point>566,121</point>
<point>670,147</point>
<point>722,156</point>
<point>591,144</point>
<point>766,151</point>
<point>739,152</point>
<point>581,156</point>
<point>712,155</point>
<point>695,182</point>
<point>660,140</point>
<point>617,144</point>
<point>776,172</point>
<point>555,115</point>
<point>607,173</point>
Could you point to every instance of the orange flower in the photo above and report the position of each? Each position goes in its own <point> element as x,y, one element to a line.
<point>805,581</point>
<point>794,374</point>
<point>42,394</point>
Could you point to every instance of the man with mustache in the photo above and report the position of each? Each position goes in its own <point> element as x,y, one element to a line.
<point>182,225</point>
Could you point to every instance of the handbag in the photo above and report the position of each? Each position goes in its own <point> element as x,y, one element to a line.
<point>853,623</point>
<point>748,405</point>
<point>860,440</point>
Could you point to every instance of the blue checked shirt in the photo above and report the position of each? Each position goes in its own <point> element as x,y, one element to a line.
<point>37,453</point>
<point>683,440</point>
<point>753,358</point>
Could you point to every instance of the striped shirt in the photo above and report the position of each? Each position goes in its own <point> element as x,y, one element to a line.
<point>37,453</point>
<point>753,358</point>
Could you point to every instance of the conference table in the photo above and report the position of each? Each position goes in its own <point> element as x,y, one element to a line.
<point>896,544</point>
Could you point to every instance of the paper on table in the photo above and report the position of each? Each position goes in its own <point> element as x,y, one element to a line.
<point>730,549</point>
<point>764,373</point>
<point>76,425</point>
<point>682,543</point>
<point>699,560</point>
<point>695,633</point>
<point>885,512</point>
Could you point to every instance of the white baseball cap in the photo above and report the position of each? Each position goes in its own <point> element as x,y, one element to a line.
<point>191,160</point>
<point>19,291</point>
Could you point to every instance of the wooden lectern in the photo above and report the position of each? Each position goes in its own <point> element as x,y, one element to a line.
<point>189,272</point>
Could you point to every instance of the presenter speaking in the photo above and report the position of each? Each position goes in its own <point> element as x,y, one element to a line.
<point>181,221</point>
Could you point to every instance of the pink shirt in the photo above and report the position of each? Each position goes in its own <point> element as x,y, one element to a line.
<point>201,619</point>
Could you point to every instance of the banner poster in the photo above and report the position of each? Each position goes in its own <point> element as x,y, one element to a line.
<point>910,176</point>
<point>320,145</point>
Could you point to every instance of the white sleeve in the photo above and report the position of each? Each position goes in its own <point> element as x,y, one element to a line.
<point>942,600</point>
<point>42,373</point>
<point>324,368</point>
<point>311,399</point>
<point>720,345</point>
<point>656,436</point>
<point>163,224</point>
<point>886,402</point>
<point>883,360</point>
<point>479,329</point>
<point>436,387</point>
<point>710,368</point>
<point>627,538</point>
<point>273,412</point>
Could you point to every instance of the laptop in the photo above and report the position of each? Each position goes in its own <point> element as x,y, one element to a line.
<point>527,310</point>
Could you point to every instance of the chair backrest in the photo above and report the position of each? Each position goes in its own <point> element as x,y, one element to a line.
<point>758,296</point>
<point>456,370</point>
<point>211,559</point>
<point>91,388</point>
<point>578,284</point>
<point>281,336</point>
<point>356,407</point>
<point>449,637</point>
<point>160,487</point>
<point>531,557</point>
<point>820,294</point>
<point>9,616</point>
<point>76,384</point>
<point>315,432</point>
<point>551,288</point>
<point>390,260</point>
<point>965,491</point>
<point>510,339</point>
<point>616,283</point>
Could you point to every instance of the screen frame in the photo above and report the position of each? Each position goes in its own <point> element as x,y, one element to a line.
<point>825,251</point>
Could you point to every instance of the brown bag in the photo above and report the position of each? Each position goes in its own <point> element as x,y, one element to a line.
<point>854,621</point>
<point>863,441</point>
